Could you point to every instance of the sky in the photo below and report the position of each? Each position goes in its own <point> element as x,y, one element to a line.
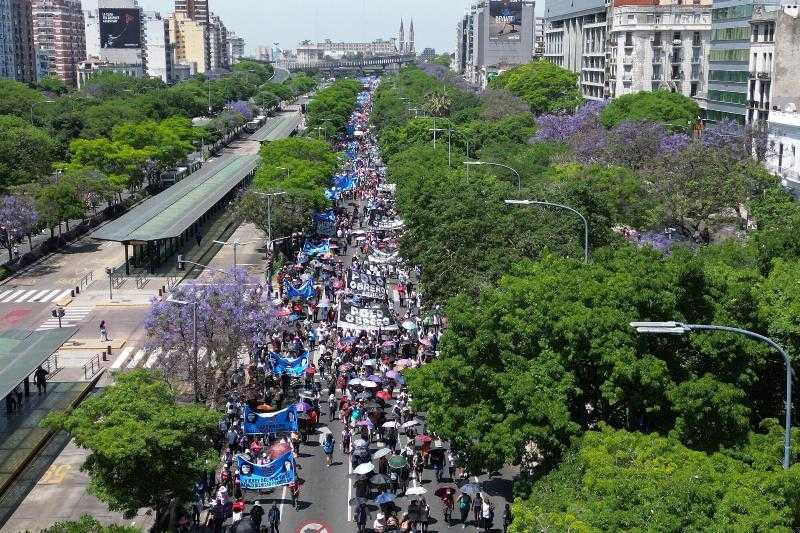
<point>287,22</point>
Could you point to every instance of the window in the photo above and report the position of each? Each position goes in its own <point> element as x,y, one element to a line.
<point>695,72</point>
<point>656,72</point>
<point>734,12</point>
<point>697,40</point>
<point>693,89</point>
<point>739,55</point>
<point>650,19</point>
<point>728,97</point>
<point>628,38</point>
<point>631,19</point>
<point>657,38</point>
<point>733,34</point>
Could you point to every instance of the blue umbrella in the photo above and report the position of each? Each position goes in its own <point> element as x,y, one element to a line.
<point>384,497</point>
<point>470,488</point>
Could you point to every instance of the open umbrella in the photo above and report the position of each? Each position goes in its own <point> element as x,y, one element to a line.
<point>366,422</point>
<point>393,374</point>
<point>391,424</point>
<point>470,488</point>
<point>385,497</point>
<point>416,491</point>
<point>379,479</point>
<point>383,452</point>
<point>411,423</point>
<point>345,367</point>
<point>409,325</point>
<point>384,395</point>
<point>364,396</point>
<point>306,394</point>
<point>364,468</point>
<point>302,407</point>
<point>375,378</point>
<point>422,439</point>
<point>360,443</point>
<point>353,382</point>
<point>398,461</point>
<point>369,384</point>
<point>444,492</point>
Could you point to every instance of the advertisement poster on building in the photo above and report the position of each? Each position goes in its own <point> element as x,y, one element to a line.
<point>120,28</point>
<point>505,20</point>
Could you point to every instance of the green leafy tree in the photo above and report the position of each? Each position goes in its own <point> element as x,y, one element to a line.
<point>53,84</point>
<point>27,153</point>
<point>88,524</point>
<point>59,202</point>
<point>266,100</point>
<point>113,158</point>
<point>546,87</point>
<point>332,106</point>
<point>442,59</point>
<point>18,99</point>
<point>300,84</point>
<point>501,103</point>
<point>677,112</point>
<point>145,449</point>
<point>167,142</point>
<point>281,90</point>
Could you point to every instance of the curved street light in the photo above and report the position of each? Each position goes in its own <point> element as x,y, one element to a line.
<point>489,163</point>
<point>568,208</point>
<point>677,328</point>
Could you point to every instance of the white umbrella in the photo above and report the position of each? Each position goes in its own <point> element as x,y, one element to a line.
<point>381,453</point>
<point>391,424</point>
<point>364,468</point>
<point>411,423</point>
<point>410,325</point>
<point>416,491</point>
<point>354,381</point>
<point>369,384</point>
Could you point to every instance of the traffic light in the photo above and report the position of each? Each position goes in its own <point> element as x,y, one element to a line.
<point>58,312</point>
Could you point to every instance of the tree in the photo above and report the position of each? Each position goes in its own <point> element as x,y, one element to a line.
<point>546,87</point>
<point>145,448</point>
<point>54,85</point>
<point>18,217</point>
<point>677,112</point>
<point>334,104</point>
<point>27,153</point>
<point>500,103</point>
<point>59,202</point>
<point>242,107</point>
<point>281,90</point>
<point>88,524</point>
<point>114,158</point>
<point>442,59</point>
<point>622,481</point>
<point>166,143</point>
<point>266,100</point>
<point>234,312</point>
<point>18,99</point>
<point>438,104</point>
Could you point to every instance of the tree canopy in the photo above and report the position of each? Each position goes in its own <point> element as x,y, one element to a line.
<point>546,87</point>
<point>678,112</point>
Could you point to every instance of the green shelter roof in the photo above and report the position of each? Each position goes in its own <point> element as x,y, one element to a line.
<point>174,210</point>
<point>279,127</point>
<point>21,352</point>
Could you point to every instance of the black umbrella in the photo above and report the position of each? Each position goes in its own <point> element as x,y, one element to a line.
<point>379,479</point>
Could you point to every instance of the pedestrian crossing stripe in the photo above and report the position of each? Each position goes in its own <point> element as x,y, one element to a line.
<point>72,315</point>
<point>153,358</point>
<point>32,295</point>
<point>142,357</point>
<point>136,358</point>
<point>123,356</point>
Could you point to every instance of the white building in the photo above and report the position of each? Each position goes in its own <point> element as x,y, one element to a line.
<point>659,47</point>
<point>108,21</point>
<point>235,47</point>
<point>159,51</point>
<point>575,39</point>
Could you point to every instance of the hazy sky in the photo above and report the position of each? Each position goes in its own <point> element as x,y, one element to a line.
<point>262,22</point>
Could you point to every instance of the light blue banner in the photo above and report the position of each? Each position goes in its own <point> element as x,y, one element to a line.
<point>311,250</point>
<point>279,472</point>
<point>293,367</point>
<point>305,291</point>
<point>283,421</point>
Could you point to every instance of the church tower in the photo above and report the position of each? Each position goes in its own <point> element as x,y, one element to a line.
<point>411,49</point>
<point>402,40</point>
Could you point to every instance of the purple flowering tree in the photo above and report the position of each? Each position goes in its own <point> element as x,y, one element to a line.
<point>18,217</point>
<point>242,107</point>
<point>234,314</point>
<point>561,127</point>
<point>738,141</point>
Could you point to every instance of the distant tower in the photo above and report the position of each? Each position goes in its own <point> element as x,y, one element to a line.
<point>411,49</point>
<point>402,39</point>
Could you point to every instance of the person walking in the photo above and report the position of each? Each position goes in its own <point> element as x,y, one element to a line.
<point>327,447</point>
<point>274,519</point>
<point>257,514</point>
<point>477,503</point>
<point>508,517</point>
<point>464,503</point>
<point>487,514</point>
<point>40,379</point>
<point>361,516</point>
<point>103,331</point>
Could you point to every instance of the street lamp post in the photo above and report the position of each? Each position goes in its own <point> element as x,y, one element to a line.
<point>677,328</point>
<point>491,164</point>
<point>195,385</point>
<point>435,130</point>
<point>269,196</point>
<point>110,273</point>
<point>568,208</point>
<point>235,245</point>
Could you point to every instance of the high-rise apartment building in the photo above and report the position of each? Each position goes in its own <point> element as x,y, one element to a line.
<point>159,51</point>
<point>575,39</point>
<point>17,54</point>
<point>199,12</point>
<point>191,44</point>
<point>235,47</point>
<point>729,57</point>
<point>218,41</point>
<point>493,36</point>
<point>58,30</point>
<point>660,45</point>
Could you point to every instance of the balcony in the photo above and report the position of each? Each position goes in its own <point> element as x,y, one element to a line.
<point>760,74</point>
<point>755,104</point>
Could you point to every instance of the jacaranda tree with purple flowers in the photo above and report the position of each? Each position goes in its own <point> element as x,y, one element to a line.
<point>242,107</point>
<point>234,314</point>
<point>18,217</point>
<point>560,127</point>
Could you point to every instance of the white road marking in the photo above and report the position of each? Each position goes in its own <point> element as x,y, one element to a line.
<point>49,296</point>
<point>72,315</point>
<point>63,294</point>
<point>38,295</point>
<point>153,358</point>
<point>12,296</point>
<point>5,293</point>
<point>136,358</point>
<point>25,296</point>
<point>122,357</point>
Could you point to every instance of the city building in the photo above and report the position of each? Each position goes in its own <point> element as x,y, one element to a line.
<point>783,121</point>
<point>17,53</point>
<point>58,30</point>
<point>575,39</point>
<point>428,54</point>
<point>730,59</point>
<point>159,52</point>
<point>218,41</point>
<point>494,36</point>
<point>199,12</point>
<point>658,46</point>
<point>115,34</point>
<point>401,39</point>
<point>94,65</point>
<point>263,53</point>
<point>538,37</point>
<point>189,39</point>
<point>235,47</point>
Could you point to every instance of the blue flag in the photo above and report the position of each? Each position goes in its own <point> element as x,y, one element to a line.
<point>303,292</point>
<point>293,367</point>
<point>279,472</point>
<point>282,421</point>
<point>311,250</point>
<point>325,223</point>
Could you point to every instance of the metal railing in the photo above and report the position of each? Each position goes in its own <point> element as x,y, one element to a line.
<point>92,367</point>
<point>86,280</point>
<point>141,280</point>
<point>51,365</point>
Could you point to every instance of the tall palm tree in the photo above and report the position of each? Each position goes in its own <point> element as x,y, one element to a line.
<point>438,103</point>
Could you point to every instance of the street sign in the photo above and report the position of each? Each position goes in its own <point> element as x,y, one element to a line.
<point>314,526</point>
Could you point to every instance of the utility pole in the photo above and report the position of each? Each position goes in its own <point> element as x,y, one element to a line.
<point>269,196</point>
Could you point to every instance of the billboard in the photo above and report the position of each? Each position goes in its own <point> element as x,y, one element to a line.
<point>505,20</point>
<point>120,28</point>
